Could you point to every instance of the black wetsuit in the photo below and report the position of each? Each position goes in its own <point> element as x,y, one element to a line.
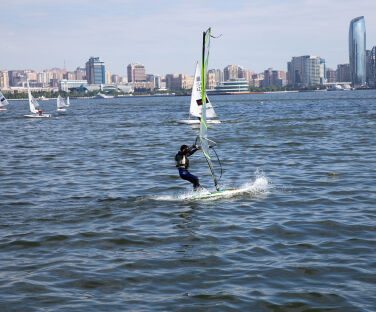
<point>182,163</point>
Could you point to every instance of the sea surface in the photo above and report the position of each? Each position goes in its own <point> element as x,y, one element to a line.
<point>94,217</point>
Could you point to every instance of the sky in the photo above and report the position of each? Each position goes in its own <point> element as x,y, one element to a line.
<point>166,35</point>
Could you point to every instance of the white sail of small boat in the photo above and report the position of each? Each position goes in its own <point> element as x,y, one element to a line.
<point>68,102</point>
<point>60,104</point>
<point>3,102</point>
<point>33,105</point>
<point>196,102</point>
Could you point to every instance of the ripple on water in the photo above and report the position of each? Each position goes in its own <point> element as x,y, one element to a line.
<point>95,217</point>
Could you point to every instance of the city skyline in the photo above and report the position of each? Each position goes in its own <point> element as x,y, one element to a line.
<point>167,37</point>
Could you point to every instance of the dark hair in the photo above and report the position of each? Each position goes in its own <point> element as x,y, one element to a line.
<point>183,147</point>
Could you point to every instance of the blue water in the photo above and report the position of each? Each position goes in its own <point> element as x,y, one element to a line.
<point>95,218</point>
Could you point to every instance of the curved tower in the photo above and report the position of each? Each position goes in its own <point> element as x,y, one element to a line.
<point>357,51</point>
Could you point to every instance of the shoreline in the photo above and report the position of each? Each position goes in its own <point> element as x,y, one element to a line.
<point>209,93</point>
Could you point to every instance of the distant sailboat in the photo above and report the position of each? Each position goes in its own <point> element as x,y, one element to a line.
<point>3,102</point>
<point>68,102</point>
<point>33,104</point>
<point>196,103</point>
<point>60,104</point>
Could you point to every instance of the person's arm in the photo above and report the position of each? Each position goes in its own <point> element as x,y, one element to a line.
<point>192,150</point>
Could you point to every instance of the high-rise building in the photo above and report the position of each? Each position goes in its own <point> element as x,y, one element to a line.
<point>115,79</point>
<point>136,72</point>
<point>331,75</point>
<point>42,79</point>
<point>343,73</point>
<point>16,77</point>
<point>256,80</point>
<point>80,73</point>
<point>274,77</point>
<point>211,82</point>
<point>69,76</point>
<point>371,67</point>
<point>107,76</point>
<point>4,79</point>
<point>179,81</point>
<point>246,74</point>
<point>218,73</point>
<point>231,72</point>
<point>279,78</point>
<point>357,51</point>
<point>306,70</point>
<point>267,82</point>
<point>155,80</point>
<point>95,71</point>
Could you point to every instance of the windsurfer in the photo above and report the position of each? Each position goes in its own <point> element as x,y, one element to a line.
<point>182,163</point>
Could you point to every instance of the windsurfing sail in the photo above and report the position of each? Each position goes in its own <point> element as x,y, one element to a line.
<point>3,101</point>
<point>196,98</point>
<point>60,102</point>
<point>33,103</point>
<point>204,141</point>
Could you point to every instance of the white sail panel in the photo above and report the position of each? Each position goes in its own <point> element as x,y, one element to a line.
<point>196,98</point>
<point>3,100</point>
<point>33,103</point>
<point>60,102</point>
<point>195,109</point>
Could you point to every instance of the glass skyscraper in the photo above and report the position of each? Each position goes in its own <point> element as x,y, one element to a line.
<point>95,71</point>
<point>357,51</point>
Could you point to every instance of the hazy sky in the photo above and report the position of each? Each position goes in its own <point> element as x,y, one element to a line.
<point>165,35</point>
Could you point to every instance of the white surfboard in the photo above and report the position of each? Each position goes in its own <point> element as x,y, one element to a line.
<point>219,194</point>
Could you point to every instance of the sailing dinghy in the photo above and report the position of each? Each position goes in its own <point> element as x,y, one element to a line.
<point>196,103</point>
<point>3,102</point>
<point>60,104</point>
<point>33,104</point>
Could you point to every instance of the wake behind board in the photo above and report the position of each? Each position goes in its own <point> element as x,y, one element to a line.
<point>219,194</point>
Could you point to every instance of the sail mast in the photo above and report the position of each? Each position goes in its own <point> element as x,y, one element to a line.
<point>203,125</point>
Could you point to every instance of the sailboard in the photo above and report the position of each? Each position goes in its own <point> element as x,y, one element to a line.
<point>196,103</point>
<point>3,102</point>
<point>207,145</point>
<point>33,105</point>
<point>219,193</point>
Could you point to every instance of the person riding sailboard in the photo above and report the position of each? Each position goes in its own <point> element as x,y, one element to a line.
<point>181,158</point>
<point>182,163</point>
<point>206,145</point>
